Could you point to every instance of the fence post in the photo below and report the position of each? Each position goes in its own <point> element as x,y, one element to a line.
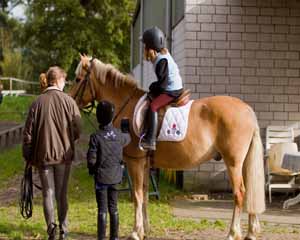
<point>10,85</point>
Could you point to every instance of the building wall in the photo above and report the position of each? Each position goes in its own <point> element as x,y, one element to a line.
<point>244,48</point>
<point>178,50</point>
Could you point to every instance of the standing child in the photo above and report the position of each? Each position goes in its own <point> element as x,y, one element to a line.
<point>104,159</point>
<point>168,85</point>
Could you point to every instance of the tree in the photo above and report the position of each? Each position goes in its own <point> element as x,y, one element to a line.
<point>56,32</point>
<point>10,30</point>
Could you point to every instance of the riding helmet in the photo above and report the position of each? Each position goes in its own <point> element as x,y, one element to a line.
<point>105,112</point>
<point>154,38</point>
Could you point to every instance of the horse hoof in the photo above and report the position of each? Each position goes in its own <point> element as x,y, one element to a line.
<point>250,238</point>
<point>236,237</point>
<point>135,236</point>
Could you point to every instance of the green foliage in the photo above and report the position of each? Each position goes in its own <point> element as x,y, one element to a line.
<point>15,108</point>
<point>11,61</point>
<point>13,65</point>
<point>57,30</point>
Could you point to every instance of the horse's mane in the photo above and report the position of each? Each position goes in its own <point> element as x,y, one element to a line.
<point>107,72</point>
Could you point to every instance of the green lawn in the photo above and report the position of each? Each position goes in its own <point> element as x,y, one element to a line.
<point>12,165</point>
<point>15,108</point>
<point>82,208</point>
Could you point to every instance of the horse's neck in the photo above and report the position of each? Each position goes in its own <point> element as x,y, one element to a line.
<point>123,95</point>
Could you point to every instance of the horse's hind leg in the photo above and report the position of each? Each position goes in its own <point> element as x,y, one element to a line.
<point>253,227</point>
<point>238,189</point>
<point>136,171</point>
<point>146,197</point>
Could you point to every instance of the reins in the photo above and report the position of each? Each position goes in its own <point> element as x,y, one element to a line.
<point>124,104</point>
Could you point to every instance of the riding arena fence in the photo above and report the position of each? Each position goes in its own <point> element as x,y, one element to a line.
<point>15,86</point>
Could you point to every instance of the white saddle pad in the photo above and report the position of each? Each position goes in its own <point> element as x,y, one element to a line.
<point>174,125</point>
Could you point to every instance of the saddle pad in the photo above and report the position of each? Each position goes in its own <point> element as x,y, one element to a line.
<point>175,123</point>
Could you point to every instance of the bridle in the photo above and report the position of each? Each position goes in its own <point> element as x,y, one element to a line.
<point>88,109</point>
<point>86,81</point>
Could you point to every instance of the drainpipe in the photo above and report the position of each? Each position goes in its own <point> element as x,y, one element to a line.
<point>141,43</point>
<point>168,22</point>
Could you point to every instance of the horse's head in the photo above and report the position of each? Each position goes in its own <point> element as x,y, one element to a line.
<point>83,89</point>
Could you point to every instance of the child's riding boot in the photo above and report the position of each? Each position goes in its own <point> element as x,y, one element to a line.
<point>114,226</point>
<point>101,226</point>
<point>51,231</point>
<point>149,141</point>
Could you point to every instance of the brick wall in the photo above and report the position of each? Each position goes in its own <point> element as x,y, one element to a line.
<point>178,50</point>
<point>244,48</point>
<point>249,49</point>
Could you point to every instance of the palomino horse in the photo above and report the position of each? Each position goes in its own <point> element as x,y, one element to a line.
<point>220,124</point>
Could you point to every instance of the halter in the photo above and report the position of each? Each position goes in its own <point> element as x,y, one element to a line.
<point>87,80</point>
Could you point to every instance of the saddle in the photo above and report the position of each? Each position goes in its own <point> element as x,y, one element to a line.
<point>182,100</point>
<point>179,105</point>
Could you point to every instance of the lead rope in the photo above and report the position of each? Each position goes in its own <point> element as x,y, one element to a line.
<point>26,193</point>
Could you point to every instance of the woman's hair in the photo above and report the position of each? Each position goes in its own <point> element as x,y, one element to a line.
<point>53,74</point>
<point>43,82</point>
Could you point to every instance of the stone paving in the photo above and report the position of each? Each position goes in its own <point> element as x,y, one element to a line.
<point>222,209</point>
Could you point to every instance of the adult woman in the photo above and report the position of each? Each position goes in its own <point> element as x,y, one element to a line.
<point>51,128</point>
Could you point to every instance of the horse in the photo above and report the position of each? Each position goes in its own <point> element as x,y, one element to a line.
<point>216,125</point>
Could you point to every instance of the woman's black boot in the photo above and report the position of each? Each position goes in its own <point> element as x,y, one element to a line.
<point>114,226</point>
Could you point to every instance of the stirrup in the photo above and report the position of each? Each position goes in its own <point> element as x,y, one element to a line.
<point>140,142</point>
<point>141,147</point>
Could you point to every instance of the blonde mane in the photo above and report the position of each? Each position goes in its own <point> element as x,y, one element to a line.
<point>107,72</point>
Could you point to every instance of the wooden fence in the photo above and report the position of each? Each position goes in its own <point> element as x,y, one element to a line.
<point>11,85</point>
<point>11,136</point>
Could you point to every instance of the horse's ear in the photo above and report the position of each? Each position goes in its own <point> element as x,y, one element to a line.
<point>81,56</point>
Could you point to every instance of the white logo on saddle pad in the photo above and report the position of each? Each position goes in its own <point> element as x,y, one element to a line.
<point>175,123</point>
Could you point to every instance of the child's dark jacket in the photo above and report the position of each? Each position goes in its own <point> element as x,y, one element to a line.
<point>105,154</point>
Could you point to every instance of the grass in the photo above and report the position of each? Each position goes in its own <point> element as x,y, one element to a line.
<point>15,108</point>
<point>83,210</point>
<point>12,165</point>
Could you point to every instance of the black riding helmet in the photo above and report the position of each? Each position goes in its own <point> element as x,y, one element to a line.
<point>154,38</point>
<point>105,112</point>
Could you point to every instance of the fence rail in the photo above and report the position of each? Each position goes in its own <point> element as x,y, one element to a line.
<point>11,136</point>
<point>20,85</point>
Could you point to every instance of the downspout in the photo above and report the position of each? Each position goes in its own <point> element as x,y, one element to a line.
<point>168,22</point>
<point>141,43</point>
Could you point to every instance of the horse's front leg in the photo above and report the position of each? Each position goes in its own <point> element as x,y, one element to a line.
<point>136,171</point>
<point>253,227</point>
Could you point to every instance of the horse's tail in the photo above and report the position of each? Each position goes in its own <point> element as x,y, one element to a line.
<point>254,176</point>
